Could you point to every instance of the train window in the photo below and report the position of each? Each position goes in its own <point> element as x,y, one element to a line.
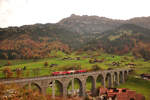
<point>132,99</point>
<point>124,90</point>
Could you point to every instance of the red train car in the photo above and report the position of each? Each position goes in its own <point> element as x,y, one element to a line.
<point>81,71</point>
<point>68,72</point>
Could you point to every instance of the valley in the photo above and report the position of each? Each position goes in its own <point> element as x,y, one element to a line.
<point>37,68</point>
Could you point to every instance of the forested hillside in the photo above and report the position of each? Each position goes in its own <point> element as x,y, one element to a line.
<point>124,39</point>
<point>76,33</point>
<point>35,41</point>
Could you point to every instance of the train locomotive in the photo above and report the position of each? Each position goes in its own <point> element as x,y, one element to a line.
<point>68,72</point>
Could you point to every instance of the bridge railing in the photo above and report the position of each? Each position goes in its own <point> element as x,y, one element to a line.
<point>69,75</point>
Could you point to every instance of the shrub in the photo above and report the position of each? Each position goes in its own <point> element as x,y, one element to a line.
<point>73,66</point>
<point>145,54</point>
<point>8,63</point>
<point>96,67</point>
<point>91,61</point>
<point>18,72</point>
<point>27,73</point>
<point>7,72</point>
<point>46,64</point>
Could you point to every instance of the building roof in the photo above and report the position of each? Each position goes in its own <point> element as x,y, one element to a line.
<point>121,93</point>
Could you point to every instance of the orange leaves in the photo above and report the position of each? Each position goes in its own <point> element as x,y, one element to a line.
<point>16,92</point>
<point>46,64</point>
<point>18,72</point>
<point>26,47</point>
<point>7,72</point>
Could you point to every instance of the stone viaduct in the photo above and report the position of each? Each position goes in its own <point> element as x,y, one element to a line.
<point>109,78</point>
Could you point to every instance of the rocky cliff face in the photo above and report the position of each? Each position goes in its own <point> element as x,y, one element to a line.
<point>94,24</point>
<point>141,21</point>
<point>89,24</point>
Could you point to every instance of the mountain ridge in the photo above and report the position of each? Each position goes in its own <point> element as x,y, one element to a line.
<point>100,24</point>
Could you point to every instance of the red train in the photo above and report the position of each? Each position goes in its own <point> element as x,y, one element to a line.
<point>68,72</point>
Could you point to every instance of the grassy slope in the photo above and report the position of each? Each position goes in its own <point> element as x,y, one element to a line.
<point>141,86</point>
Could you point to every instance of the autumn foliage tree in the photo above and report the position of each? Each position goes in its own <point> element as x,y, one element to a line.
<point>7,72</point>
<point>96,68</point>
<point>15,92</point>
<point>27,73</point>
<point>8,63</point>
<point>18,72</point>
<point>46,64</point>
<point>25,47</point>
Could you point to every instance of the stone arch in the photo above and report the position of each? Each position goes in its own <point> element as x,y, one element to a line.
<point>125,75</point>
<point>36,86</point>
<point>115,78</point>
<point>120,77</point>
<point>108,80</point>
<point>70,88</point>
<point>79,91</point>
<point>49,89</point>
<point>33,85</point>
<point>100,81</point>
<point>58,88</point>
<point>54,88</point>
<point>90,84</point>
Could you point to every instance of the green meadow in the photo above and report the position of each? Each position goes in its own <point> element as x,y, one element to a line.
<point>37,67</point>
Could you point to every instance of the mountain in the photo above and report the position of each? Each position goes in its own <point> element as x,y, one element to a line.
<point>141,21</point>
<point>89,24</point>
<point>74,33</point>
<point>96,25</point>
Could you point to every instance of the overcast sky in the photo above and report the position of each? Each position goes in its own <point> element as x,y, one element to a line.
<point>21,12</point>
